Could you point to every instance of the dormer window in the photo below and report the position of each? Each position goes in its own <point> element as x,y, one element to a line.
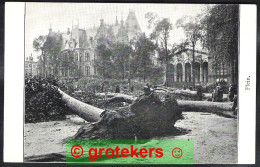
<point>87,56</point>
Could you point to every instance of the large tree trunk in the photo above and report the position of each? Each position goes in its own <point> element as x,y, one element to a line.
<point>116,97</point>
<point>83,110</point>
<point>185,105</point>
<point>204,106</point>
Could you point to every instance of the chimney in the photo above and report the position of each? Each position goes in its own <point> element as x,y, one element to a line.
<point>50,29</point>
<point>116,21</point>
<point>101,21</point>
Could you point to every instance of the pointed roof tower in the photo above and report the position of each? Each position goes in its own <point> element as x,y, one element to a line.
<point>131,23</point>
<point>116,18</point>
<point>122,34</point>
<point>116,21</point>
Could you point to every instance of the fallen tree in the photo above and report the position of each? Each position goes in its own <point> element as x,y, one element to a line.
<point>206,106</point>
<point>145,117</point>
<point>116,97</point>
<point>185,105</point>
<point>148,116</point>
<point>83,110</point>
<point>191,94</point>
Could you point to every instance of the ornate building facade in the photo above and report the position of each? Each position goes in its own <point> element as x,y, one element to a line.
<point>180,70</point>
<point>30,66</point>
<point>77,55</point>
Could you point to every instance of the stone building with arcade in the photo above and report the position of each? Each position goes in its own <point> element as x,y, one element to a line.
<point>180,69</point>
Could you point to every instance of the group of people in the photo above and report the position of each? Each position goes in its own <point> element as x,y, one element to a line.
<point>217,94</point>
<point>117,89</point>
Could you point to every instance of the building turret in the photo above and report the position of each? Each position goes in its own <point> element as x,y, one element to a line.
<point>122,34</point>
<point>101,21</point>
<point>132,25</point>
<point>116,21</point>
<point>50,30</point>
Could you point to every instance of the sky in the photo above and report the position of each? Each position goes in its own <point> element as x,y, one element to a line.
<point>60,16</point>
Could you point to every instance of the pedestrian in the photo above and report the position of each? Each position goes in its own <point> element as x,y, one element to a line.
<point>132,88</point>
<point>214,95</point>
<point>117,89</point>
<point>147,90</point>
<point>219,92</point>
<point>199,92</point>
<point>234,106</point>
<point>231,92</point>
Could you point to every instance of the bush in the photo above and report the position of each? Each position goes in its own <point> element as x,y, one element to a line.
<point>42,100</point>
<point>99,84</point>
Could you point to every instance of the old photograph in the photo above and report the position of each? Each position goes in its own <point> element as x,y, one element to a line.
<point>131,71</point>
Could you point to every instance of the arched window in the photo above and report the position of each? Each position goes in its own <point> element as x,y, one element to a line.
<point>205,72</point>
<point>196,70</point>
<point>179,72</point>
<point>187,72</point>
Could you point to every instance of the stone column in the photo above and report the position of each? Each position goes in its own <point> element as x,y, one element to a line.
<point>201,74</point>
<point>191,72</point>
<point>183,72</point>
<point>175,73</point>
<point>211,71</point>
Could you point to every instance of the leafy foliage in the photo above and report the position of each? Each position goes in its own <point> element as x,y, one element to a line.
<point>50,46</point>
<point>142,62</point>
<point>104,63</point>
<point>161,34</point>
<point>193,29</point>
<point>121,57</point>
<point>221,36</point>
<point>38,42</point>
<point>42,100</point>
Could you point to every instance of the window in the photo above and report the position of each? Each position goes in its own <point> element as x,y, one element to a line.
<point>87,56</point>
<point>87,70</point>
<point>221,71</point>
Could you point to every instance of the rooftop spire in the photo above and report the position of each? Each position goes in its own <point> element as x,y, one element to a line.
<point>116,21</point>
<point>50,29</point>
<point>116,17</point>
<point>122,22</point>
<point>101,21</point>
